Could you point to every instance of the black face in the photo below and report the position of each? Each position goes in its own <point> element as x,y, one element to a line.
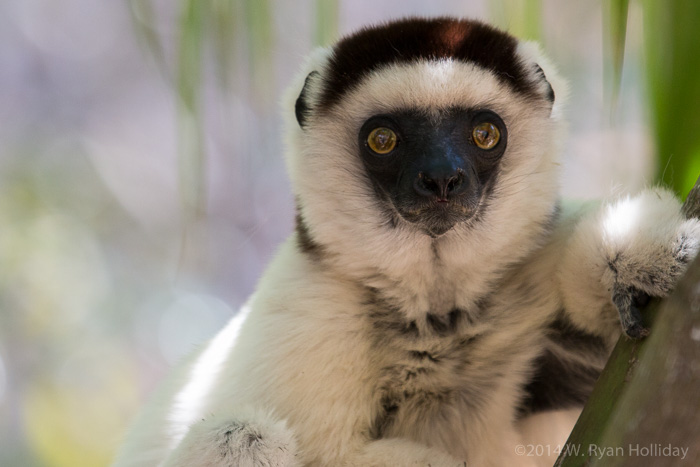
<point>434,170</point>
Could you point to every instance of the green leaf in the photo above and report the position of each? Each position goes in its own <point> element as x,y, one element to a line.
<point>191,157</point>
<point>326,27</point>
<point>143,17</point>
<point>522,18</point>
<point>614,35</point>
<point>672,46</point>
<point>223,17</point>
<point>260,37</point>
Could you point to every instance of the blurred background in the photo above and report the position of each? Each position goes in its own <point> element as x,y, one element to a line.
<point>143,190</point>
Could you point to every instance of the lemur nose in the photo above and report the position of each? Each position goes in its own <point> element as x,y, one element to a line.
<point>442,184</point>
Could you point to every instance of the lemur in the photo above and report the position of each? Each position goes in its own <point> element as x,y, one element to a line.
<point>436,304</point>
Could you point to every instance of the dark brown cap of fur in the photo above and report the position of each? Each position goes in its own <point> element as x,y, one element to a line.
<point>417,39</point>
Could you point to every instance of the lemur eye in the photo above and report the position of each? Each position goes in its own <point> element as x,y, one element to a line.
<point>382,140</point>
<point>486,135</point>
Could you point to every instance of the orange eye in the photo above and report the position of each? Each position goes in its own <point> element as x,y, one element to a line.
<point>486,135</point>
<point>382,140</point>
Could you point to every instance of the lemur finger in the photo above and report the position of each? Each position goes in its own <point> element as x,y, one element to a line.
<point>691,207</point>
<point>628,301</point>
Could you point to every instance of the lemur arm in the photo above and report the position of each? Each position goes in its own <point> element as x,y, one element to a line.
<point>622,253</point>
<point>611,258</point>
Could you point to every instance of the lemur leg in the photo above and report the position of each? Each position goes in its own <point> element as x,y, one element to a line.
<point>254,441</point>
<point>396,451</point>
<point>621,254</point>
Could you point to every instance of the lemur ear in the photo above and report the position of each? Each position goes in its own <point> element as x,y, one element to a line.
<point>302,106</point>
<point>545,76</point>
<point>549,91</point>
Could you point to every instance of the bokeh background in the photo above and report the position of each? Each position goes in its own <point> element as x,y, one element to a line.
<point>143,189</point>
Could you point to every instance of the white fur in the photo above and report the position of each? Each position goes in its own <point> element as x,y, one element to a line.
<point>641,236</point>
<point>297,381</point>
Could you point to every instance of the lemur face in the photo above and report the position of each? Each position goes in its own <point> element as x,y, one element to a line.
<point>433,167</point>
<point>420,127</point>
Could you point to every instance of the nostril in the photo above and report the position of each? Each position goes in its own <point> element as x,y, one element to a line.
<point>430,184</point>
<point>426,186</point>
<point>451,185</point>
<point>454,182</point>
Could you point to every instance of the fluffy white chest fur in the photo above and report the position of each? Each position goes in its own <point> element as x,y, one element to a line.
<point>435,306</point>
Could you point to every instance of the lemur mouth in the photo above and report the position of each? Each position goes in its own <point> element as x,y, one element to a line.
<point>437,216</point>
